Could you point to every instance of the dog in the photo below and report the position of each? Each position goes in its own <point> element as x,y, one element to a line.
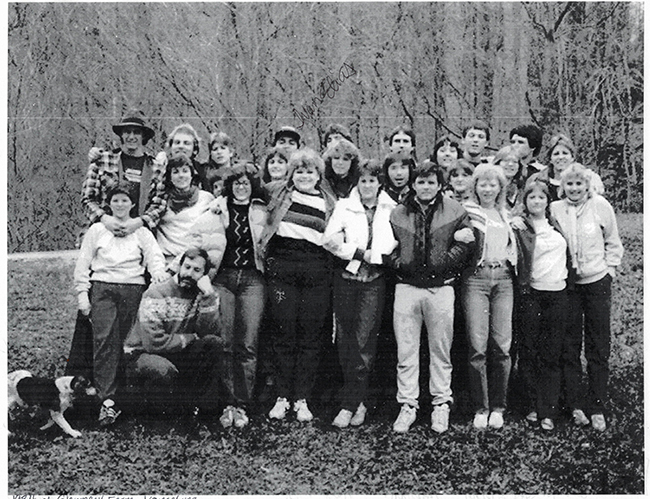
<point>58,395</point>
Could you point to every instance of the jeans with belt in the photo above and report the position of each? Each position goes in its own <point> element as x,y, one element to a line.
<point>487,296</point>
<point>242,294</point>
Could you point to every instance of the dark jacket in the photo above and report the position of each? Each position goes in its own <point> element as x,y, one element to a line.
<point>427,255</point>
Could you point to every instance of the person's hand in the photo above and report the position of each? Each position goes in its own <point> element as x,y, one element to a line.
<point>94,154</point>
<point>205,285</point>
<point>218,205</point>
<point>611,271</point>
<point>160,277</point>
<point>113,225</point>
<point>518,223</point>
<point>465,235</point>
<point>130,226</point>
<point>84,303</point>
<point>366,256</point>
<point>161,159</point>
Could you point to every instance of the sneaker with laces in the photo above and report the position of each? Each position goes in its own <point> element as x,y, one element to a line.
<point>531,417</point>
<point>440,418</point>
<point>480,420</point>
<point>598,422</point>
<point>359,415</point>
<point>496,420</point>
<point>240,419</point>
<point>227,417</point>
<point>108,413</point>
<point>547,424</point>
<point>405,419</point>
<point>342,419</point>
<point>579,418</point>
<point>280,408</point>
<point>303,414</point>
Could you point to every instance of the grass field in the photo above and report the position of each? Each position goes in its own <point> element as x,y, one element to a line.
<point>158,456</point>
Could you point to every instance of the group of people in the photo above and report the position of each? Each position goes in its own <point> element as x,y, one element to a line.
<point>188,266</point>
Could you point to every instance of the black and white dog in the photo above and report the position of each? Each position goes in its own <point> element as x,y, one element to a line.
<point>56,395</point>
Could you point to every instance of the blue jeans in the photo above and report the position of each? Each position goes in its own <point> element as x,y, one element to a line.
<point>488,303</point>
<point>114,308</point>
<point>242,294</point>
<point>358,307</point>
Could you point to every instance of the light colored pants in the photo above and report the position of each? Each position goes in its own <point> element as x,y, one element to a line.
<point>434,307</point>
<point>488,302</point>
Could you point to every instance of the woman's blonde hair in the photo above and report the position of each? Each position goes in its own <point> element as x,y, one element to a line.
<point>576,170</point>
<point>490,171</point>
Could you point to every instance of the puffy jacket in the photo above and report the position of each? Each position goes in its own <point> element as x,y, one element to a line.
<point>427,255</point>
<point>349,220</point>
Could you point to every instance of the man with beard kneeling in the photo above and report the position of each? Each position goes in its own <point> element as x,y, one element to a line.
<point>174,346</point>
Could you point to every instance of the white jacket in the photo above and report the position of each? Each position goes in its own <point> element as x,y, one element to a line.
<point>347,234</point>
<point>592,234</point>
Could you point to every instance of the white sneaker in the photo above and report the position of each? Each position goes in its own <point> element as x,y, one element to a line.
<point>547,424</point>
<point>496,420</point>
<point>227,417</point>
<point>240,419</point>
<point>303,414</point>
<point>440,418</point>
<point>280,408</point>
<point>343,419</point>
<point>598,422</point>
<point>579,418</point>
<point>531,417</point>
<point>480,420</point>
<point>359,416</point>
<point>406,418</point>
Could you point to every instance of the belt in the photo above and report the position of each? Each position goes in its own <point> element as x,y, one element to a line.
<point>493,265</point>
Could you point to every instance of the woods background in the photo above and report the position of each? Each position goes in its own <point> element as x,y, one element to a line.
<point>74,69</point>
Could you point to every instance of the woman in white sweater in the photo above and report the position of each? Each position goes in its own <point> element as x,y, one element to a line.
<point>589,222</point>
<point>186,202</point>
<point>542,278</point>
<point>359,233</point>
<point>109,280</point>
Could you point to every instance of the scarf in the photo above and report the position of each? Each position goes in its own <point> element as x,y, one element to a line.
<point>574,210</point>
<point>178,200</point>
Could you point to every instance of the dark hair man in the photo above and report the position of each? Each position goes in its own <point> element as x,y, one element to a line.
<point>528,140</point>
<point>129,164</point>
<point>174,346</point>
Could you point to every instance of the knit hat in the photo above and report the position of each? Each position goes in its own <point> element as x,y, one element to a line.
<point>135,118</point>
<point>287,131</point>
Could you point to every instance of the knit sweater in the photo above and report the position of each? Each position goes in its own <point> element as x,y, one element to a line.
<point>169,316</point>
<point>122,260</point>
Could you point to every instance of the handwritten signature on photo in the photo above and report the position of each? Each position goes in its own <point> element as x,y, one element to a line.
<point>327,88</point>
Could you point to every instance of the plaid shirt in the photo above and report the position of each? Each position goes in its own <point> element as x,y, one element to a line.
<point>105,171</point>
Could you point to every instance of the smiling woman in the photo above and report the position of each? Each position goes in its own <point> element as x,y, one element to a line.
<point>185,203</point>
